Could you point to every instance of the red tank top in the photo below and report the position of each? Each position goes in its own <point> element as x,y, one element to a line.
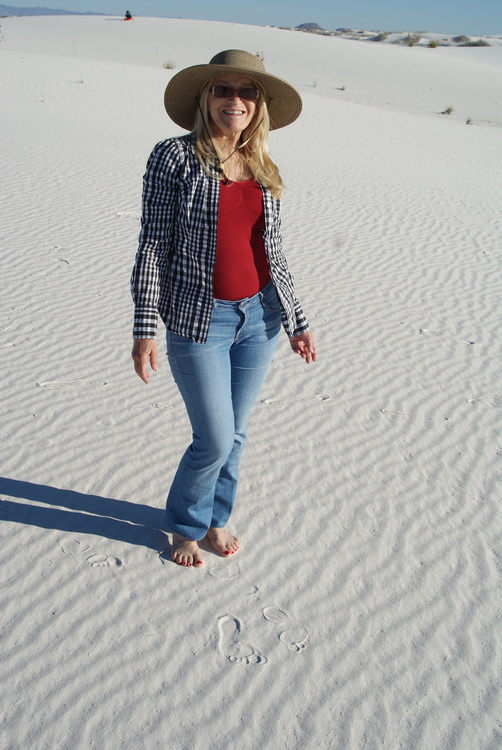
<point>241,267</point>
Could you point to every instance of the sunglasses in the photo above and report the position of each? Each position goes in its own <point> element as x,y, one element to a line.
<point>227,92</point>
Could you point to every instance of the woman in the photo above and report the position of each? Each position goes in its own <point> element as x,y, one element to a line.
<point>210,263</point>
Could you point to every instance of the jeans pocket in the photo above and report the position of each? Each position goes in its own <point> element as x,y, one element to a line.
<point>270,299</point>
<point>176,345</point>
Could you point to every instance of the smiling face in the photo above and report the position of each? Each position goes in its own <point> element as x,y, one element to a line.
<point>231,116</point>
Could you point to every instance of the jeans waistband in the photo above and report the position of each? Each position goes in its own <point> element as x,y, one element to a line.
<point>240,304</point>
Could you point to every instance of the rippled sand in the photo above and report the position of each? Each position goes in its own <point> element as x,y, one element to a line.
<point>363,610</point>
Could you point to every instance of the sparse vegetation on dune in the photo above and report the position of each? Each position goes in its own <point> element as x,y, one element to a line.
<point>412,39</point>
<point>380,37</point>
<point>478,43</point>
<point>409,39</point>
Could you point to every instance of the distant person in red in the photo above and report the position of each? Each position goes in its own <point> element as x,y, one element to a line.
<point>128,16</point>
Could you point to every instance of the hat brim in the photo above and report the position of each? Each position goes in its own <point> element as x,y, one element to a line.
<point>180,98</point>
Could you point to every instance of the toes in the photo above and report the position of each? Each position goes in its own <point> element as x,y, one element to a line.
<point>222,542</point>
<point>232,546</point>
<point>180,559</point>
<point>187,561</point>
<point>186,553</point>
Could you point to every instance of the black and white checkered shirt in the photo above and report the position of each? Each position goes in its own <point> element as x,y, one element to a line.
<point>173,272</point>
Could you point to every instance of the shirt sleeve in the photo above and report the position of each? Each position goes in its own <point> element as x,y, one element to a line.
<point>300,321</point>
<point>160,183</point>
<point>302,324</point>
<point>295,322</point>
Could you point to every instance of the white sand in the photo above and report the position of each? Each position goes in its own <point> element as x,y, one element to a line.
<point>368,506</point>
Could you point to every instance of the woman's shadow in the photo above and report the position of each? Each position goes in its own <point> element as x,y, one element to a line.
<point>83,514</point>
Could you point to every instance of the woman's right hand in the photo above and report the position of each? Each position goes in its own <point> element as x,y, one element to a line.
<point>144,352</point>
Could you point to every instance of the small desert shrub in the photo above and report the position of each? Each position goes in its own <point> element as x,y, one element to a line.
<point>380,37</point>
<point>169,65</point>
<point>412,39</point>
<point>447,111</point>
<point>433,43</point>
<point>461,39</point>
<point>478,43</point>
<point>468,121</point>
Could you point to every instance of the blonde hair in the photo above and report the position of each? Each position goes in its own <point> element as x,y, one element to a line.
<point>254,139</point>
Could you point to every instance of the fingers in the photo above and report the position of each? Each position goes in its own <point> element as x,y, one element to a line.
<point>313,352</point>
<point>308,355</point>
<point>304,345</point>
<point>153,360</point>
<point>144,353</point>
<point>142,371</point>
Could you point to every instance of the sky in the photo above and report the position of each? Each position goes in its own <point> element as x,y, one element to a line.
<point>443,16</point>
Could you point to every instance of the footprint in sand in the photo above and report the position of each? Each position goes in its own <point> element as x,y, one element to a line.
<point>395,413</point>
<point>430,332</point>
<point>231,645</point>
<point>494,399</point>
<point>294,636</point>
<point>81,554</point>
<point>166,407</point>
<point>226,572</point>
<point>60,384</point>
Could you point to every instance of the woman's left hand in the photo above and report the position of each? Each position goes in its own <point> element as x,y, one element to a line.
<point>304,345</point>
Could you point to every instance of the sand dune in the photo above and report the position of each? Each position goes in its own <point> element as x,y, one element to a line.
<point>364,608</point>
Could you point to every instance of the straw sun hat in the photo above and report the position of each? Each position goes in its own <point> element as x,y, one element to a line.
<point>182,91</point>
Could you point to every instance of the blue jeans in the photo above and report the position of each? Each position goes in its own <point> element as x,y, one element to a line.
<point>219,381</point>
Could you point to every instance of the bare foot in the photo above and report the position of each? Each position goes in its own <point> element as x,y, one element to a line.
<point>221,541</point>
<point>186,552</point>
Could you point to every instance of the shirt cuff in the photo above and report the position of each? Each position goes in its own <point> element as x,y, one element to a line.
<point>145,324</point>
